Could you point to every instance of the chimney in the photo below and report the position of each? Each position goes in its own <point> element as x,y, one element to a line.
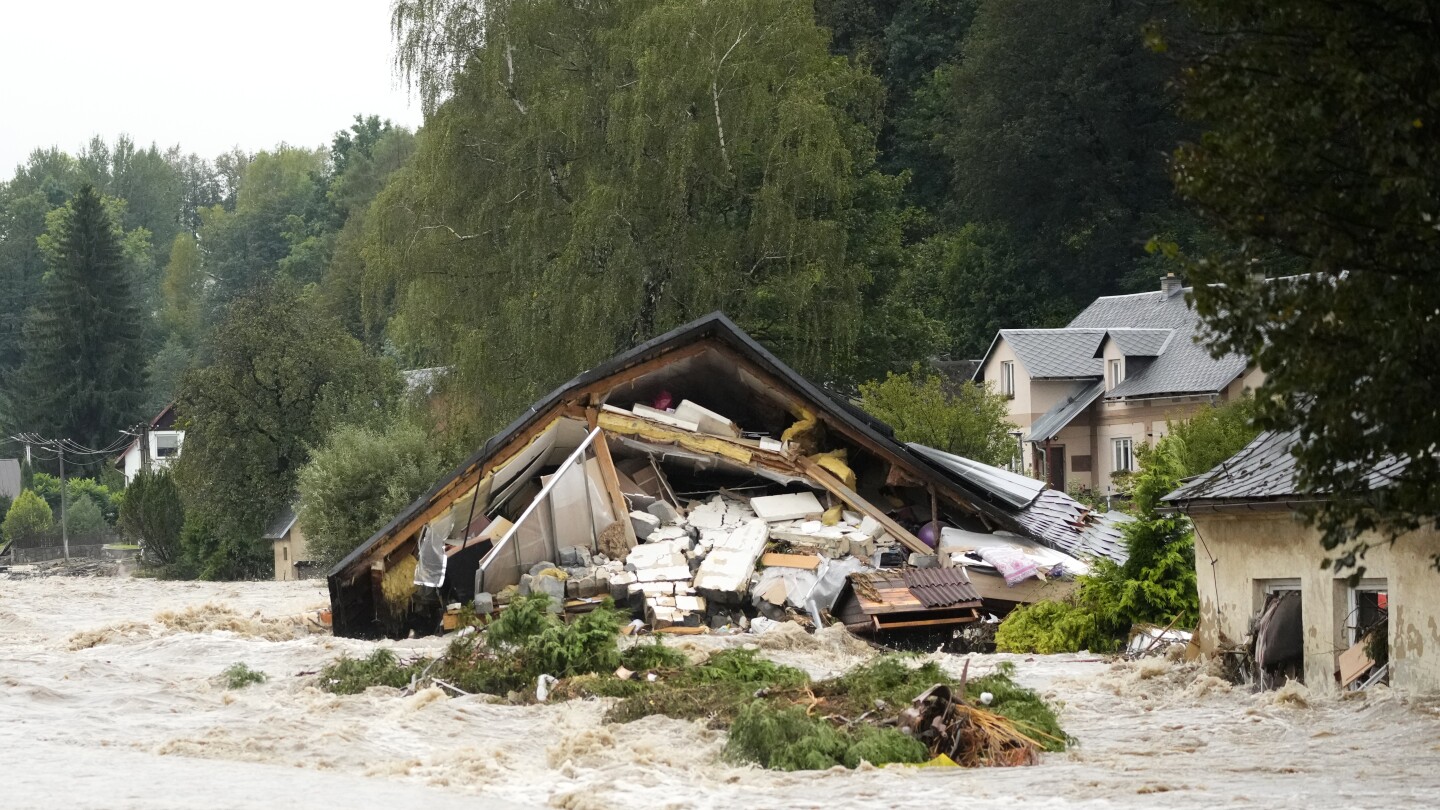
<point>1170,285</point>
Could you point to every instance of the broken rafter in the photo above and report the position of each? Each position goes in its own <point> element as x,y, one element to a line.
<point>823,477</point>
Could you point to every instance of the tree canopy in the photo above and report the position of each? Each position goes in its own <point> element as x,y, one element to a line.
<point>1320,160</point>
<point>84,370</point>
<point>283,374</point>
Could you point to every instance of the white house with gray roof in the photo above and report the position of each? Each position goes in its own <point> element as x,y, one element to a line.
<point>1085,396</point>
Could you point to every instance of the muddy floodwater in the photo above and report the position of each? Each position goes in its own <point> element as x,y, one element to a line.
<point>109,698</point>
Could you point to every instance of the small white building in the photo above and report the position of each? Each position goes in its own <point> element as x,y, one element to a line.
<point>161,445</point>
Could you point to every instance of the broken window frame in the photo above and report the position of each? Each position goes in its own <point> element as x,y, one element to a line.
<point>507,549</point>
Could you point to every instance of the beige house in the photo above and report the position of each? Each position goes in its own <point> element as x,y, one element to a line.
<point>1255,557</point>
<point>1084,397</point>
<point>292,557</point>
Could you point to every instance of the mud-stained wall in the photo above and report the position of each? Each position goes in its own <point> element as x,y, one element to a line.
<point>1237,554</point>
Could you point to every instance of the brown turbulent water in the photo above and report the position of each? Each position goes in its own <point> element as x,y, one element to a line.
<point>109,698</point>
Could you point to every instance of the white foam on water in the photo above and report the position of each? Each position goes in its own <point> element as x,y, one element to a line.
<point>110,697</point>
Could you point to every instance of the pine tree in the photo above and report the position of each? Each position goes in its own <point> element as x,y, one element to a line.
<point>83,376</point>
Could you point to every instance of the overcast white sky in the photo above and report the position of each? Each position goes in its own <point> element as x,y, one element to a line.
<point>206,74</point>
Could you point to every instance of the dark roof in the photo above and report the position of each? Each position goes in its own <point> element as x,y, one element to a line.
<point>1264,470</point>
<point>715,326</point>
<point>10,480</point>
<point>1138,342</point>
<point>164,420</point>
<point>1184,366</point>
<point>1054,420</point>
<point>956,372</point>
<point>1159,324</point>
<point>281,524</point>
<point>1056,353</point>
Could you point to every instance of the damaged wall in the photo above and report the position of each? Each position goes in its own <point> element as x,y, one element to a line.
<point>1252,547</point>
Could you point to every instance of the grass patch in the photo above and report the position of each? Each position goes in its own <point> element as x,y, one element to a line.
<point>239,676</point>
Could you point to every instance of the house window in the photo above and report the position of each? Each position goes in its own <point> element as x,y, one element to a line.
<point>166,445</point>
<point>1007,378</point>
<point>1124,455</point>
<point>1116,374</point>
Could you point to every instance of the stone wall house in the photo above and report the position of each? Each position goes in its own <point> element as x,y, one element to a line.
<point>1254,551</point>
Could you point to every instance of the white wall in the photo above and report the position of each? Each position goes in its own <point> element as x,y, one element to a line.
<point>131,463</point>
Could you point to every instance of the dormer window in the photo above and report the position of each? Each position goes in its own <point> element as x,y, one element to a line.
<point>1007,378</point>
<point>1115,374</point>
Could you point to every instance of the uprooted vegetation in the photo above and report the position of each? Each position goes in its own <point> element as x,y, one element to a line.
<point>893,709</point>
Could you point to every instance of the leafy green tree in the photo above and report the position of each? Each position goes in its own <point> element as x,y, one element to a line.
<point>1059,120</point>
<point>183,290</point>
<point>358,480</point>
<point>1321,150</point>
<point>283,375</point>
<point>1213,435</point>
<point>44,182</point>
<point>242,248</point>
<point>968,420</point>
<point>28,519</point>
<point>153,515</point>
<point>83,519</point>
<point>1157,582</point>
<point>84,370</point>
<point>626,168</point>
<point>48,487</point>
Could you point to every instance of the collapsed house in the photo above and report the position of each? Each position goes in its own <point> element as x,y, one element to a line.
<point>700,481</point>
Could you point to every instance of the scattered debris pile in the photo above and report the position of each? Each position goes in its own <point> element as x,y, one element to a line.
<point>78,567</point>
<point>701,483</point>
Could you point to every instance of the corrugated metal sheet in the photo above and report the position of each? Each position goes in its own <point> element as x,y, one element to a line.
<point>10,477</point>
<point>940,587</point>
<point>1012,488</point>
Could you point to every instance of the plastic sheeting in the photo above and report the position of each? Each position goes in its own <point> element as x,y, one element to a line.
<point>430,568</point>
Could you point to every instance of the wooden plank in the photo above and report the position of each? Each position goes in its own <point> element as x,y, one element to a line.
<point>924,622</point>
<point>823,477</point>
<point>1354,662</point>
<point>603,387</point>
<point>611,479</point>
<point>774,560</point>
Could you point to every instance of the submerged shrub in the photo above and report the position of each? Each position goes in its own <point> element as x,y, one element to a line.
<point>583,646</point>
<point>239,676</point>
<point>524,618</point>
<point>788,739</point>
<point>351,676</point>
<point>655,655</point>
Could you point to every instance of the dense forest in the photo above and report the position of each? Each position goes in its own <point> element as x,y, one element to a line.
<point>863,185</point>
